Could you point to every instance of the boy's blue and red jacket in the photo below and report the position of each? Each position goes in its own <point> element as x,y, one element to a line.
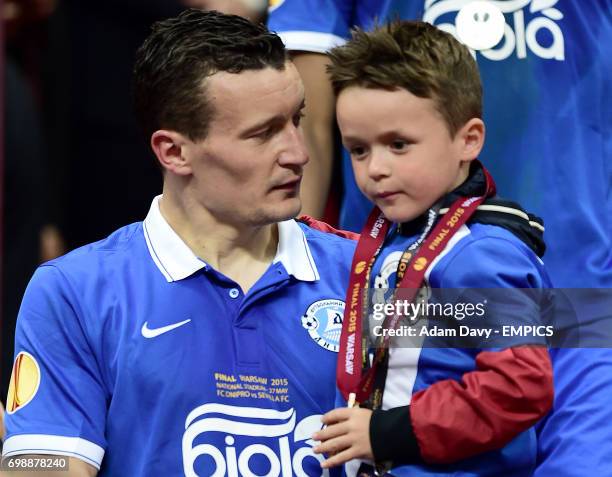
<point>456,411</point>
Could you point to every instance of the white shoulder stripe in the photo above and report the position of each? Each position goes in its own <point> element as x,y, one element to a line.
<point>463,231</point>
<point>505,210</point>
<point>310,41</point>
<point>54,445</point>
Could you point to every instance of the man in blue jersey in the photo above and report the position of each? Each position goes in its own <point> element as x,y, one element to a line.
<point>547,97</point>
<point>203,340</point>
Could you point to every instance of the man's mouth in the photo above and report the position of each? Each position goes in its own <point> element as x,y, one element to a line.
<point>289,185</point>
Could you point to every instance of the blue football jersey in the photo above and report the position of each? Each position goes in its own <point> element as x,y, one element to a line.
<point>137,357</point>
<point>318,25</point>
<point>549,129</point>
<point>547,103</point>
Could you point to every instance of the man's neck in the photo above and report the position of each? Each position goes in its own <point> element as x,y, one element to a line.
<point>240,252</point>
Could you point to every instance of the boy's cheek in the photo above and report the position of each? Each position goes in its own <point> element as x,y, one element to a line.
<point>361,178</point>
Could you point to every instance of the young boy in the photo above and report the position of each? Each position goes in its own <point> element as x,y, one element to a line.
<point>409,110</point>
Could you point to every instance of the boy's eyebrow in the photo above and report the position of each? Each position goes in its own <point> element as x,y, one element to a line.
<point>391,135</point>
<point>384,137</point>
<point>278,118</point>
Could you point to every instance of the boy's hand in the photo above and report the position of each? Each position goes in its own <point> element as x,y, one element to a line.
<point>346,437</point>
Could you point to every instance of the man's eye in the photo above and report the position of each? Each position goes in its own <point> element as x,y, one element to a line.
<point>262,135</point>
<point>298,118</point>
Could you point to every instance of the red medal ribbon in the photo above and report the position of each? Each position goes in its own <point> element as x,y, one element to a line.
<point>351,357</point>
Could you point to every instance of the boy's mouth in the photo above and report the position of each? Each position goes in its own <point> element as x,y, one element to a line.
<point>384,195</point>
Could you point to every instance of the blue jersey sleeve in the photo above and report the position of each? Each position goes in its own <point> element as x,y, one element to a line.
<point>312,25</point>
<point>57,400</point>
<point>579,425</point>
<point>318,25</point>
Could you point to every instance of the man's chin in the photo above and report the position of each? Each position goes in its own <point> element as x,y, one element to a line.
<point>287,209</point>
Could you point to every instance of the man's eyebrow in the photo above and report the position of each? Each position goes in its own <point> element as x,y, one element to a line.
<point>279,118</point>
<point>266,123</point>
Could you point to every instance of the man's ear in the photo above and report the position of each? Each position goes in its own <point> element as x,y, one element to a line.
<point>471,139</point>
<point>170,148</point>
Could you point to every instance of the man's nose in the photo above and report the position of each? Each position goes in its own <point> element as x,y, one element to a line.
<point>294,149</point>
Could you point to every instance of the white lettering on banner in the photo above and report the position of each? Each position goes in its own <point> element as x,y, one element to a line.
<point>521,39</point>
<point>376,227</point>
<point>272,427</point>
<point>350,354</point>
<point>470,201</point>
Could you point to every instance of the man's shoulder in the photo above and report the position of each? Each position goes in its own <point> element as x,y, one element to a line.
<point>314,228</point>
<point>331,239</point>
<point>330,247</point>
<point>91,258</point>
<point>83,282</point>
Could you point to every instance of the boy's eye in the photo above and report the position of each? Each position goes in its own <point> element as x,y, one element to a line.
<point>399,145</point>
<point>357,151</point>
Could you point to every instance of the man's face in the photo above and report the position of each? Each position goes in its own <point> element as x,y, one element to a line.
<point>247,171</point>
<point>402,153</point>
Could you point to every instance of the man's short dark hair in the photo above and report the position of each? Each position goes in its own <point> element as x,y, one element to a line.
<point>173,62</point>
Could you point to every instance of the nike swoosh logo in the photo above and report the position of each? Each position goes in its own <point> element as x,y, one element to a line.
<point>152,333</point>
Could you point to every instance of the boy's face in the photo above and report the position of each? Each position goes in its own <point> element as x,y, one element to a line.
<point>402,153</point>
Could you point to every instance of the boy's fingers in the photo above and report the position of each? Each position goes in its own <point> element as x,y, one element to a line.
<point>330,432</point>
<point>339,459</point>
<point>340,414</point>
<point>332,446</point>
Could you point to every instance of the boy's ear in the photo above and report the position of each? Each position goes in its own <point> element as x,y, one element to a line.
<point>170,148</point>
<point>471,139</point>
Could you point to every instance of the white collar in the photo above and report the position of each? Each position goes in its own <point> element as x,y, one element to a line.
<point>176,261</point>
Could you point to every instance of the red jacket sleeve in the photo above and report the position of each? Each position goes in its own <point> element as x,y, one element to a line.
<point>508,392</point>
<point>453,420</point>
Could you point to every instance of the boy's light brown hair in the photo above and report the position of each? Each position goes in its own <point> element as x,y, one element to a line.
<point>415,56</point>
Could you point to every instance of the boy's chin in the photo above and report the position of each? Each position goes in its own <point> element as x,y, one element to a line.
<point>399,215</point>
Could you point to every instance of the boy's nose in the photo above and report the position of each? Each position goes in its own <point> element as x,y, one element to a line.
<point>379,165</point>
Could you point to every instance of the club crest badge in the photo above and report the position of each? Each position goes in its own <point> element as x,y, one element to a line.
<point>323,321</point>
